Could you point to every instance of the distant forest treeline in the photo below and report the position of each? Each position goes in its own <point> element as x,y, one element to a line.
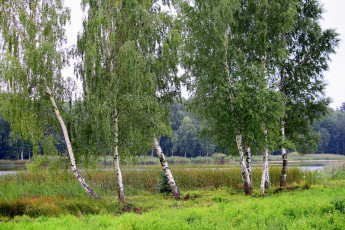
<point>186,139</point>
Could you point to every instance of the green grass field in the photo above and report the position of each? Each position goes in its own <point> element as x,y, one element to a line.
<point>316,208</point>
<point>213,199</point>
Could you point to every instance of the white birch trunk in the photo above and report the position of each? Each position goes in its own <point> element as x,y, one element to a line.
<point>249,166</point>
<point>75,171</point>
<point>284,157</point>
<point>267,174</point>
<point>265,178</point>
<point>244,170</point>
<point>166,169</point>
<point>117,160</point>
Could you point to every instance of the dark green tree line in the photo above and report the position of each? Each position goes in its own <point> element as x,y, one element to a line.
<point>331,130</point>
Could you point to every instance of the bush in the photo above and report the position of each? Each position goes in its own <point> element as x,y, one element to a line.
<point>163,184</point>
<point>218,156</point>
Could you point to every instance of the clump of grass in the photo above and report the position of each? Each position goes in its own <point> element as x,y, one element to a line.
<point>218,156</point>
<point>339,204</point>
<point>335,170</point>
<point>55,206</point>
<point>148,160</point>
<point>179,160</point>
<point>202,160</point>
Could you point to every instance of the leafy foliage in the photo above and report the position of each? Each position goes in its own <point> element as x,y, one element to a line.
<point>300,77</point>
<point>135,53</point>
<point>31,60</point>
<point>230,51</point>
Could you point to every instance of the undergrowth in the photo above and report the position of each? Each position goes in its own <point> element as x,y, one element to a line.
<point>320,208</point>
<point>55,183</point>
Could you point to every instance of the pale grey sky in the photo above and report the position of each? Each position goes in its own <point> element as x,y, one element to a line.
<point>333,18</point>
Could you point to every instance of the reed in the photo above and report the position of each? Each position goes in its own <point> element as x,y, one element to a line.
<point>45,183</point>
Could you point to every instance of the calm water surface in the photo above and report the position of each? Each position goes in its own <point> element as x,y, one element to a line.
<point>11,168</point>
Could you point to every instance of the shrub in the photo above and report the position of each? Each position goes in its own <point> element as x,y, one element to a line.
<point>218,156</point>
<point>163,184</point>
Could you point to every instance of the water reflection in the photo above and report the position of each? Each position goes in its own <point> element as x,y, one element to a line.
<point>11,167</point>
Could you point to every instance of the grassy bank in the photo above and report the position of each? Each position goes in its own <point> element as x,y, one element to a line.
<point>222,158</point>
<point>215,159</point>
<point>318,208</point>
<point>56,183</point>
<point>212,199</point>
<point>52,193</point>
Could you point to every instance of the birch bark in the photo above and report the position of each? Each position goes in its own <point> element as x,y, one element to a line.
<point>117,160</point>
<point>265,181</point>
<point>167,172</point>
<point>284,157</point>
<point>244,171</point>
<point>265,178</point>
<point>249,166</point>
<point>75,171</point>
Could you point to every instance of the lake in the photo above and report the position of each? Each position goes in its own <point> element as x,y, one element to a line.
<point>10,167</point>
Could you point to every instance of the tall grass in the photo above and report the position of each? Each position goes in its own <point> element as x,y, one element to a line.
<point>55,206</point>
<point>335,170</point>
<point>45,183</point>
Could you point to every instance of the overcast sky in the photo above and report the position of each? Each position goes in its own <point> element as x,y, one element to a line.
<point>334,17</point>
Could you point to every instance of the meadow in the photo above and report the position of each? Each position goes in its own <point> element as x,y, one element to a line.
<point>317,208</point>
<point>213,198</point>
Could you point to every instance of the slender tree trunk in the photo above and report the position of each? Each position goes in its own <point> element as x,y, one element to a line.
<point>116,159</point>
<point>265,179</point>
<point>75,171</point>
<point>249,166</point>
<point>167,172</point>
<point>244,170</point>
<point>22,154</point>
<point>284,157</point>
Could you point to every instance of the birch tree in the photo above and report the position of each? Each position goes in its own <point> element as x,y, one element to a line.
<point>300,79</point>
<point>230,50</point>
<point>123,53</point>
<point>32,58</point>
